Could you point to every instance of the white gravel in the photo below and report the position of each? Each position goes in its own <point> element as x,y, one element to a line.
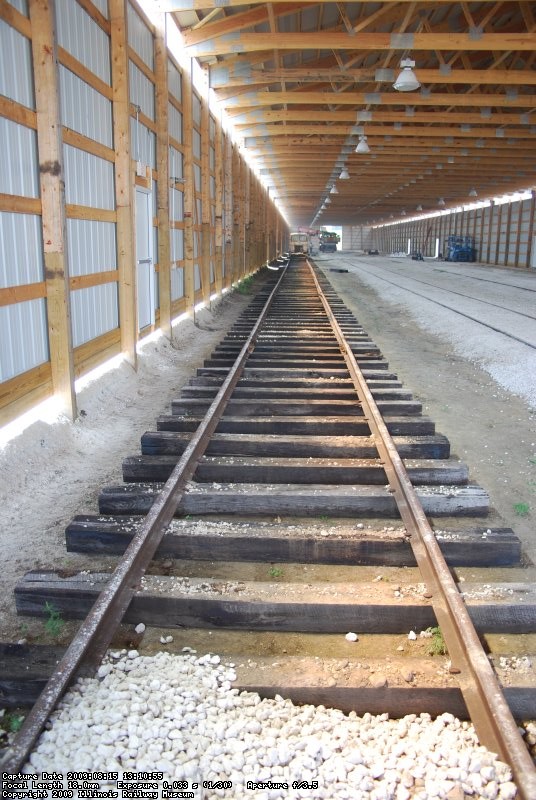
<point>177,714</point>
<point>502,299</point>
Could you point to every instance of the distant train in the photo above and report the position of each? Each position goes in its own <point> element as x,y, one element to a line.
<point>299,244</point>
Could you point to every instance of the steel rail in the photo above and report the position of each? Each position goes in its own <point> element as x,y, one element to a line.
<point>96,632</point>
<point>487,706</point>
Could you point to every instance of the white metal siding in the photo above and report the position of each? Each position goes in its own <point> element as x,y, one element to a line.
<point>196,109</point>
<point>141,90</point>
<point>196,144</point>
<point>83,38</point>
<point>94,311</point>
<point>175,163</point>
<point>21,249</point>
<point>20,5</point>
<point>17,84</point>
<point>174,81</point>
<point>143,143</point>
<point>140,37</point>
<point>89,180</point>
<point>176,205</point>
<point>92,246</point>
<point>177,283</point>
<point>175,123</point>
<point>23,337</point>
<point>84,109</point>
<point>177,244</point>
<point>102,5</point>
<point>197,177</point>
<point>19,173</point>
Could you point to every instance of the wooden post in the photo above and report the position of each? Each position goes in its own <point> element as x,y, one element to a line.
<point>490,225</point>
<point>218,159</point>
<point>530,242</point>
<point>52,187</point>
<point>236,215</point>
<point>246,182</point>
<point>189,194</point>
<point>205,200</point>
<point>499,232</point>
<point>228,185</point>
<point>162,153</point>
<point>124,182</point>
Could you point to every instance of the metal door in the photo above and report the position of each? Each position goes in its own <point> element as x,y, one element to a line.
<point>144,259</point>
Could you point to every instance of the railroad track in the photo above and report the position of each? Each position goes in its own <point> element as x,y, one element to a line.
<point>293,450</point>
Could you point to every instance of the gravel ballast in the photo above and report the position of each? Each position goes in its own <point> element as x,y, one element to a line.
<point>178,715</point>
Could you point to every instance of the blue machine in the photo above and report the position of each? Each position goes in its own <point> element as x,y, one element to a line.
<point>460,248</point>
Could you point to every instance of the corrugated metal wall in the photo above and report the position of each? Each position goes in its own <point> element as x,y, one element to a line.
<point>502,232</point>
<point>89,171</point>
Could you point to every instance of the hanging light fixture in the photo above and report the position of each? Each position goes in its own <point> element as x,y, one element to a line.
<point>440,202</point>
<point>419,208</point>
<point>362,147</point>
<point>473,193</point>
<point>334,190</point>
<point>344,176</point>
<point>407,80</point>
<point>327,200</point>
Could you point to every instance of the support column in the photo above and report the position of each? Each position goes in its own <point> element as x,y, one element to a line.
<point>124,182</point>
<point>228,186</point>
<point>162,154</point>
<point>189,194</point>
<point>218,243</point>
<point>52,186</point>
<point>205,200</point>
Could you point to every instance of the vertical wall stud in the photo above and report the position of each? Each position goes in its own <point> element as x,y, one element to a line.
<point>189,194</point>
<point>124,182</point>
<point>52,186</point>
<point>218,157</point>
<point>162,157</point>
<point>205,199</point>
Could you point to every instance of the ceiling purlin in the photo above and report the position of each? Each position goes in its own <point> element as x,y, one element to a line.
<point>470,36</point>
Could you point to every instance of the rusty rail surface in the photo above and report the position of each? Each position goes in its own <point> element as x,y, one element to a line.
<point>87,649</point>
<point>495,726</point>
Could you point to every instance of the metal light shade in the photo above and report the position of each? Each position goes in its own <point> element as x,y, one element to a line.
<point>327,200</point>
<point>344,176</point>
<point>473,193</point>
<point>334,190</point>
<point>407,80</point>
<point>440,202</point>
<point>362,147</point>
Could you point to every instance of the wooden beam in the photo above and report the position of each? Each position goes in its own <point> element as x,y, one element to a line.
<point>236,22</point>
<point>52,186</point>
<point>348,115</point>
<point>228,201</point>
<point>224,76</point>
<point>218,211</point>
<point>205,199</point>
<point>124,181</point>
<point>162,156</point>
<point>189,193</point>
<point>325,98</point>
<point>203,5</point>
<point>335,40</point>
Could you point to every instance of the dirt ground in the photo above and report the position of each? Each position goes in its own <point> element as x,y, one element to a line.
<point>492,431</point>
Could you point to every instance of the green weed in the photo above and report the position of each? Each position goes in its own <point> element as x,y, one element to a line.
<point>11,722</point>
<point>521,509</point>
<point>244,286</point>
<point>54,624</point>
<point>437,643</point>
<point>276,572</point>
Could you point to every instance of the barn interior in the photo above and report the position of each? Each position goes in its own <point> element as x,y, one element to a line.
<point>157,153</point>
